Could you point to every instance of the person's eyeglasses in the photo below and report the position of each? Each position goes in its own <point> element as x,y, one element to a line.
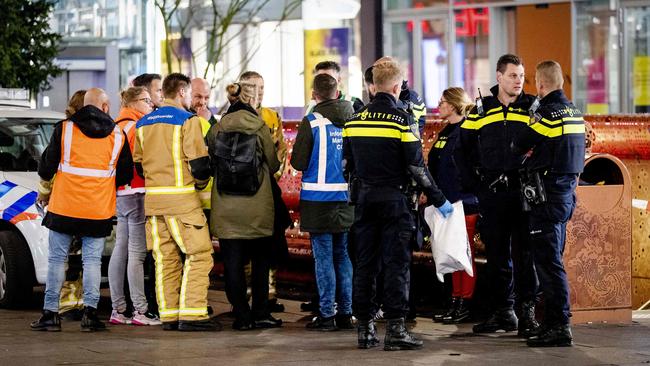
<point>146,100</point>
<point>441,102</point>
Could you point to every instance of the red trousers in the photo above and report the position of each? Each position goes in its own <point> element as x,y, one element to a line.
<point>462,283</point>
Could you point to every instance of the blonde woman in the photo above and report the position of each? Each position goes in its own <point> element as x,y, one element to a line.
<point>453,107</point>
<point>130,244</point>
<point>242,214</point>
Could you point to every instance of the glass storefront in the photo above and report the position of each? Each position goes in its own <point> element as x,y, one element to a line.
<point>603,46</point>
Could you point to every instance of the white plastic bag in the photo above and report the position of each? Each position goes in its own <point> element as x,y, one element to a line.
<point>449,241</point>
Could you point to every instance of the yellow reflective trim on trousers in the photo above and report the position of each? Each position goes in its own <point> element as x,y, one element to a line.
<point>176,155</point>
<point>570,129</point>
<point>176,234</point>
<point>193,312</point>
<point>169,190</point>
<point>160,289</point>
<point>169,312</point>
<point>380,123</point>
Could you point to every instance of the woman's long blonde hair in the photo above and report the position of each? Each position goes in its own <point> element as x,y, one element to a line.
<point>458,98</point>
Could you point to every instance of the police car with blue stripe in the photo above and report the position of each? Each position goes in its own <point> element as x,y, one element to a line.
<point>24,135</point>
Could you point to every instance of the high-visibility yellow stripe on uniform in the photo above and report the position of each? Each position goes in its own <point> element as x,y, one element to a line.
<point>493,110</point>
<point>419,110</point>
<point>141,135</point>
<point>170,190</point>
<point>440,144</point>
<point>168,313</point>
<point>160,288</point>
<point>193,311</point>
<point>516,117</point>
<point>557,128</point>
<point>570,129</point>
<point>404,136</point>
<point>491,118</point>
<point>380,123</point>
<point>547,131</point>
<point>469,124</point>
<point>178,238</point>
<point>176,155</point>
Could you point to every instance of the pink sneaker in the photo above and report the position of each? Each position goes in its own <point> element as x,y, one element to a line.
<point>145,319</point>
<point>119,318</point>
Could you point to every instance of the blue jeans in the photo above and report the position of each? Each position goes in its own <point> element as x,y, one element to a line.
<point>91,256</point>
<point>129,253</point>
<point>333,272</point>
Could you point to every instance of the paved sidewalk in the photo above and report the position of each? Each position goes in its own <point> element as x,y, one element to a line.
<point>602,344</point>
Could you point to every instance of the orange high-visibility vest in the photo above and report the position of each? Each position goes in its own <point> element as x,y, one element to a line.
<point>84,187</point>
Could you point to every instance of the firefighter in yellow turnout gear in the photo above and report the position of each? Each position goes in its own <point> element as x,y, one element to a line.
<point>171,155</point>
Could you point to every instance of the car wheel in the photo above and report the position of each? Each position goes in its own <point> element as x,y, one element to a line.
<point>16,271</point>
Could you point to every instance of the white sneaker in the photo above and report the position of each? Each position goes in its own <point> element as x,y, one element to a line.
<point>145,319</point>
<point>119,318</point>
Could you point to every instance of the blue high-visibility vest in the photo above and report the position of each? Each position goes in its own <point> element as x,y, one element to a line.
<point>323,180</point>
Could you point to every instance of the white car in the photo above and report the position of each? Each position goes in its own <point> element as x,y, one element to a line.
<point>24,134</point>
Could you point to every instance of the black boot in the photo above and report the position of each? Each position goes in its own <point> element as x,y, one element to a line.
<point>460,314</point>
<point>49,321</point>
<point>367,334</point>
<point>452,307</point>
<point>205,325</point>
<point>322,324</point>
<point>505,320</point>
<point>90,321</point>
<point>398,338</point>
<point>557,336</point>
<point>528,325</point>
<point>344,321</point>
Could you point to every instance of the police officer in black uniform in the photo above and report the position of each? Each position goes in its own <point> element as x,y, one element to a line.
<point>382,153</point>
<point>557,138</point>
<point>408,100</point>
<point>490,170</point>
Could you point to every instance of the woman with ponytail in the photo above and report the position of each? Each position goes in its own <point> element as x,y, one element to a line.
<point>243,220</point>
<point>453,107</point>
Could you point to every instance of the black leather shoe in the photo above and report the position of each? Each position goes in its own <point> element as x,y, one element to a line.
<point>207,325</point>
<point>243,322</point>
<point>322,324</point>
<point>447,313</point>
<point>367,334</point>
<point>528,325</point>
<point>90,321</point>
<point>275,307</point>
<point>398,338</point>
<point>268,322</point>
<point>558,336</point>
<point>49,321</point>
<point>504,320</point>
<point>344,321</point>
<point>460,314</point>
<point>170,326</point>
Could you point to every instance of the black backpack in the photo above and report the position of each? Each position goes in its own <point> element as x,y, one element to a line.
<point>238,167</point>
